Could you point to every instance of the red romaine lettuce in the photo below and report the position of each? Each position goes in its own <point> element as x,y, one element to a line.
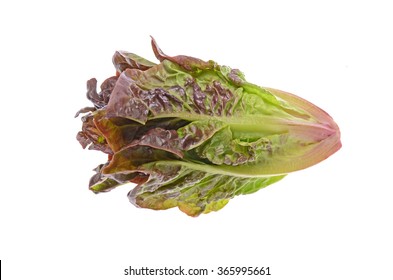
<point>194,134</point>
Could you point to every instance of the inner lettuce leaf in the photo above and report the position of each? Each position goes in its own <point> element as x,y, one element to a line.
<point>193,134</point>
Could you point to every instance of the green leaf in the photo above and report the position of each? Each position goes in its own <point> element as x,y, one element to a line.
<point>191,189</point>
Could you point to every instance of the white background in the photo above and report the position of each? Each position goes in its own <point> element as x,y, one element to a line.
<point>331,221</point>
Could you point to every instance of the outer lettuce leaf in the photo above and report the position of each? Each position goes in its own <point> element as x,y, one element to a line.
<point>193,134</point>
<point>191,189</point>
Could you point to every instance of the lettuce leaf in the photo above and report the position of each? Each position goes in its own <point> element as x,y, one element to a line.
<point>193,134</point>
